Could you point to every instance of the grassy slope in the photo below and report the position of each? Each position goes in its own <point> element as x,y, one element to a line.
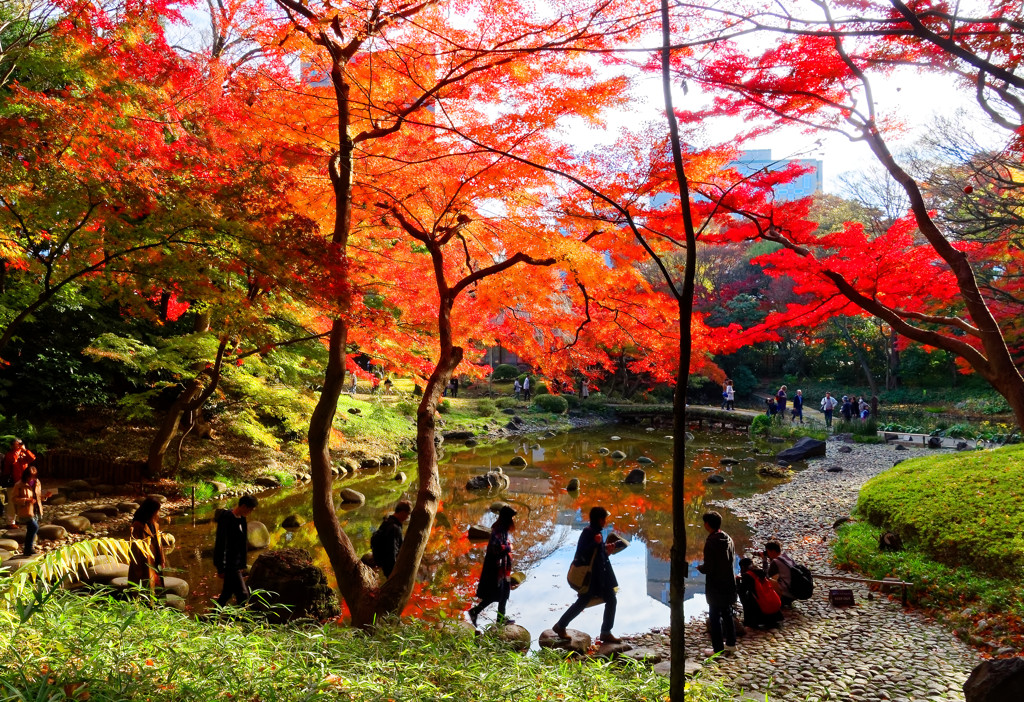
<point>961,509</point>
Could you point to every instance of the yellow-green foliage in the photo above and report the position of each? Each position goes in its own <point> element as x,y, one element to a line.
<point>962,509</point>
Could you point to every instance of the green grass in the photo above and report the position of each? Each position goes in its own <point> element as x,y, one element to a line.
<point>962,509</point>
<point>117,650</point>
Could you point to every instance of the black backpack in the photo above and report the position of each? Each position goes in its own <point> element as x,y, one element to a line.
<point>801,583</point>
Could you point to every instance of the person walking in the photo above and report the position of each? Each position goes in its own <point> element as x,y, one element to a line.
<point>517,388</point>
<point>592,549</point>
<point>147,549</point>
<point>719,582</point>
<point>798,407</point>
<point>780,399</point>
<point>526,388</point>
<point>730,395</point>
<point>828,405</point>
<point>387,540</point>
<point>585,389</point>
<point>495,576</point>
<point>15,461</point>
<point>846,409</point>
<point>231,548</point>
<point>28,506</point>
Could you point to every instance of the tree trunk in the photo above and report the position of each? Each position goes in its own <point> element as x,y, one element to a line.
<point>201,322</point>
<point>892,366</point>
<point>861,356</point>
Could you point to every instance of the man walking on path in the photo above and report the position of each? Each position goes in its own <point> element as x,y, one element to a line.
<point>828,405</point>
<point>798,407</point>
<point>231,548</point>
<point>720,582</point>
<point>387,540</point>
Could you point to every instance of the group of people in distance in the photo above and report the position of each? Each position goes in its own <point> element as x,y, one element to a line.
<point>776,404</point>
<point>850,407</point>
<point>762,591</point>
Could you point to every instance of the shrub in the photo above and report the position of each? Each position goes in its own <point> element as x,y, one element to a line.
<point>762,425</point>
<point>485,407</point>
<point>539,387</point>
<point>444,406</point>
<point>505,372</point>
<point>556,404</point>
<point>506,402</point>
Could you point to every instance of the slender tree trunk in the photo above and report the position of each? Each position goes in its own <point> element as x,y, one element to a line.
<point>679,565</point>
<point>862,357</point>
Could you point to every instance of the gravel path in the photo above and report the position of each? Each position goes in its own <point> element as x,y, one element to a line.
<point>872,651</point>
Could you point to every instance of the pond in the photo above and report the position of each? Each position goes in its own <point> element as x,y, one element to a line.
<point>547,527</point>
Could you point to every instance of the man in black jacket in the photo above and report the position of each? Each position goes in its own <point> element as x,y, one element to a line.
<point>719,582</point>
<point>387,540</point>
<point>230,550</point>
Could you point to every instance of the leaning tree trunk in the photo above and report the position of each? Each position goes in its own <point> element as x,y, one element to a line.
<point>195,394</point>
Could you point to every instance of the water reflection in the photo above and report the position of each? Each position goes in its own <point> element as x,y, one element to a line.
<point>548,526</point>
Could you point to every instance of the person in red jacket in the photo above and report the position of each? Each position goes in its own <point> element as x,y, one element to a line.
<point>15,462</point>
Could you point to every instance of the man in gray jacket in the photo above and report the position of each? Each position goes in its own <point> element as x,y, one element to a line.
<point>720,582</point>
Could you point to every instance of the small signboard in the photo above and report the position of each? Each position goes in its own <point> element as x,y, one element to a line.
<point>840,597</point>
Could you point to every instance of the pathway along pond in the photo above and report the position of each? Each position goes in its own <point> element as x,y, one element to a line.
<point>547,528</point>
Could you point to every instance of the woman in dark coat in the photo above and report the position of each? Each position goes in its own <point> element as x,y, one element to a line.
<point>753,617</point>
<point>592,547</point>
<point>145,533</point>
<point>495,584</point>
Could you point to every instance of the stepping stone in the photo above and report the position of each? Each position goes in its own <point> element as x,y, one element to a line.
<point>612,650</point>
<point>516,635</point>
<point>159,498</point>
<point>104,489</point>
<point>52,532</point>
<point>57,500</point>
<point>575,640</point>
<point>644,655</point>
<point>175,602</point>
<point>15,535</point>
<point>9,544</point>
<point>12,564</point>
<point>78,485</point>
<point>350,496</point>
<point>259,535</point>
<point>109,510</point>
<point>105,572</point>
<point>120,583</point>
<point>176,586</point>
<point>94,516</point>
<point>127,506</point>
<point>74,524</point>
<point>80,495</point>
<point>5,555</point>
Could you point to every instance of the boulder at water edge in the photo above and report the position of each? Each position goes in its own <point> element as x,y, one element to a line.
<point>9,544</point>
<point>259,535</point>
<point>175,586</point>
<point>127,506</point>
<point>636,477</point>
<point>996,680</point>
<point>289,573</point>
<point>714,480</point>
<point>802,450</point>
<point>774,471</point>
<point>109,510</point>
<point>575,640</point>
<point>103,573</point>
<point>493,479</point>
<point>78,485</point>
<point>934,442</point>
<point>517,636</point>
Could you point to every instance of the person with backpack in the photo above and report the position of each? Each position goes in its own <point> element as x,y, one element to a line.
<point>792,581</point>
<point>762,606</point>
<point>495,576</point>
<point>594,550</point>
<point>719,582</point>
<point>387,540</point>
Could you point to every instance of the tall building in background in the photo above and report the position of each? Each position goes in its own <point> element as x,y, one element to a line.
<point>808,184</point>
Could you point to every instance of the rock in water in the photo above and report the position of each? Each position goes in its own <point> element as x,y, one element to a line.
<point>802,450</point>
<point>603,451</point>
<point>645,460</point>
<point>517,461</point>
<point>618,455</point>
<point>714,480</point>
<point>350,496</point>
<point>574,485</point>
<point>636,477</point>
<point>293,521</point>
<point>292,578</point>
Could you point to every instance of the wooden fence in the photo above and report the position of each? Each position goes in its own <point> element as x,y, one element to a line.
<point>96,468</point>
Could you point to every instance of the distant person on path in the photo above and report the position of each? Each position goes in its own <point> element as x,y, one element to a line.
<point>828,405</point>
<point>864,408</point>
<point>585,388</point>
<point>147,550</point>
<point>591,548</point>
<point>495,583</point>
<point>773,407</point>
<point>231,548</point>
<point>14,464</point>
<point>847,409</point>
<point>455,387</point>
<point>526,388</point>
<point>28,505</point>
<point>354,385</point>
<point>387,540</point>
<point>517,388</point>
<point>798,407</point>
<point>749,581</point>
<point>779,569</point>
<point>781,397</point>
<point>730,395</point>
<point>720,582</point>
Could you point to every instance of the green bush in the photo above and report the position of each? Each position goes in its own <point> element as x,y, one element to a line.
<point>505,372</point>
<point>486,407</point>
<point>556,404</point>
<point>444,406</point>
<point>539,387</point>
<point>762,425</point>
<point>858,427</point>
<point>506,402</point>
